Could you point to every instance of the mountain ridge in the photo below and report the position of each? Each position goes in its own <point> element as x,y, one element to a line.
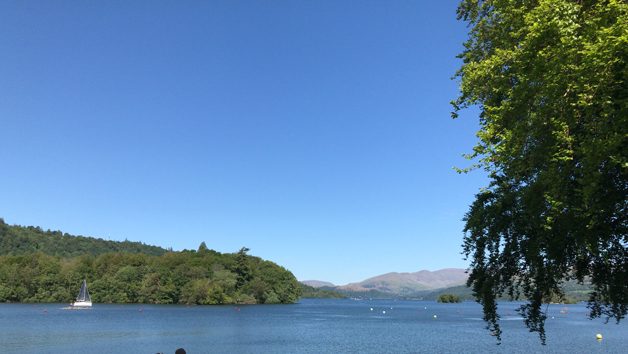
<point>402,284</point>
<point>316,283</point>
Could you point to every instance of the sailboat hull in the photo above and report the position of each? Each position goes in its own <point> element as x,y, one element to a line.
<point>82,304</point>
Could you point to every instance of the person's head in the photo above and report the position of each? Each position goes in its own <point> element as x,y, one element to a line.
<point>180,351</point>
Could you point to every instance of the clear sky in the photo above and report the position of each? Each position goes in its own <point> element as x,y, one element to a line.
<point>316,133</point>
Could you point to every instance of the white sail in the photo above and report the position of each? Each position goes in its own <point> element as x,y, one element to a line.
<point>83,298</point>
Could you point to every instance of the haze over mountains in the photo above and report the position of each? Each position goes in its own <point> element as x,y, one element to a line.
<point>316,283</point>
<point>402,284</point>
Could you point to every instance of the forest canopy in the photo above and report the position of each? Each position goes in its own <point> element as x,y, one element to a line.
<point>205,277</point>
<point>449,298</point>
<point>19,240</point>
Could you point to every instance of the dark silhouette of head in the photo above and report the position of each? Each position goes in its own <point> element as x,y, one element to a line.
<point>180,351</point>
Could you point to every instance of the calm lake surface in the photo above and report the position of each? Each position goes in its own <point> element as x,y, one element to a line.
<point>310,326</point>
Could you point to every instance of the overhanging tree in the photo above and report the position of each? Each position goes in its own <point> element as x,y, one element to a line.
<point>551,81</point>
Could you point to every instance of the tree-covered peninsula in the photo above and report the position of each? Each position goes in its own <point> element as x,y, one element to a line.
<point>186,277</point>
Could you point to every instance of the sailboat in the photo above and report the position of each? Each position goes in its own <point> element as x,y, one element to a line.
<point>83,298</point>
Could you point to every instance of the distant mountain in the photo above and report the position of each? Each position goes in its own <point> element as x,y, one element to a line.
<point>372,294</point>
<point>314,293</point>
<point>402,284</point>
<point>316,283</point>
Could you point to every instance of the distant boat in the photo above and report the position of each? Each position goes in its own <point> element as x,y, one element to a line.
<point>83,298</point>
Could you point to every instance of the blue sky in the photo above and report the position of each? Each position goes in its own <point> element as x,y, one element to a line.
<point>318,134</point>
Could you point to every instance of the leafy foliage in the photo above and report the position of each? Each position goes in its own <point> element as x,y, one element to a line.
<point>449,298</point>
<point>551,80</point>
<point>19,240</point>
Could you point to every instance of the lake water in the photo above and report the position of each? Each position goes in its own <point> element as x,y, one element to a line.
<point>310,326</point>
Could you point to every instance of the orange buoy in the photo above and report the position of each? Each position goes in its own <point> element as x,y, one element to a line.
<point>45,310</point>
<point>508,313</point>
<point>587,314</point>
<point>457,311</point>
<point>121,305</point>
<point>140,310</point>
<point>565,308</point>
<point>188,306</point>
<point>238,309</point>
<point>35,305</point>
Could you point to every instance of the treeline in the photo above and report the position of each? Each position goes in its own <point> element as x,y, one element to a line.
<point>370,294</point>
<point>574,292</point>
<point>461,292</point>
<point>314,293</point>
<point>19,240</point>
<point>187,277</point>
<point>449,299</point>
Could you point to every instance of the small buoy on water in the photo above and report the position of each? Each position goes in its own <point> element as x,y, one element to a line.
<point>121,305</point>
<point>434,316</point>
<point>587,314</point>
<point>391,308</point>
<point>140,310</point>
<point>457,311</point>
<point>599,337</point>
<point>188,306</point>
<point>35,305</point>
<point>45,310</point>
<point>565,308</point>
<point>383,311</point>
<point>371,309</point>
<point>508,313</point>
<point>238,309</point>
<point>552,317</point>
<point>71,304</point>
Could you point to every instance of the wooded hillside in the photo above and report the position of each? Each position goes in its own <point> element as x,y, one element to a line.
<point>19,240</point>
